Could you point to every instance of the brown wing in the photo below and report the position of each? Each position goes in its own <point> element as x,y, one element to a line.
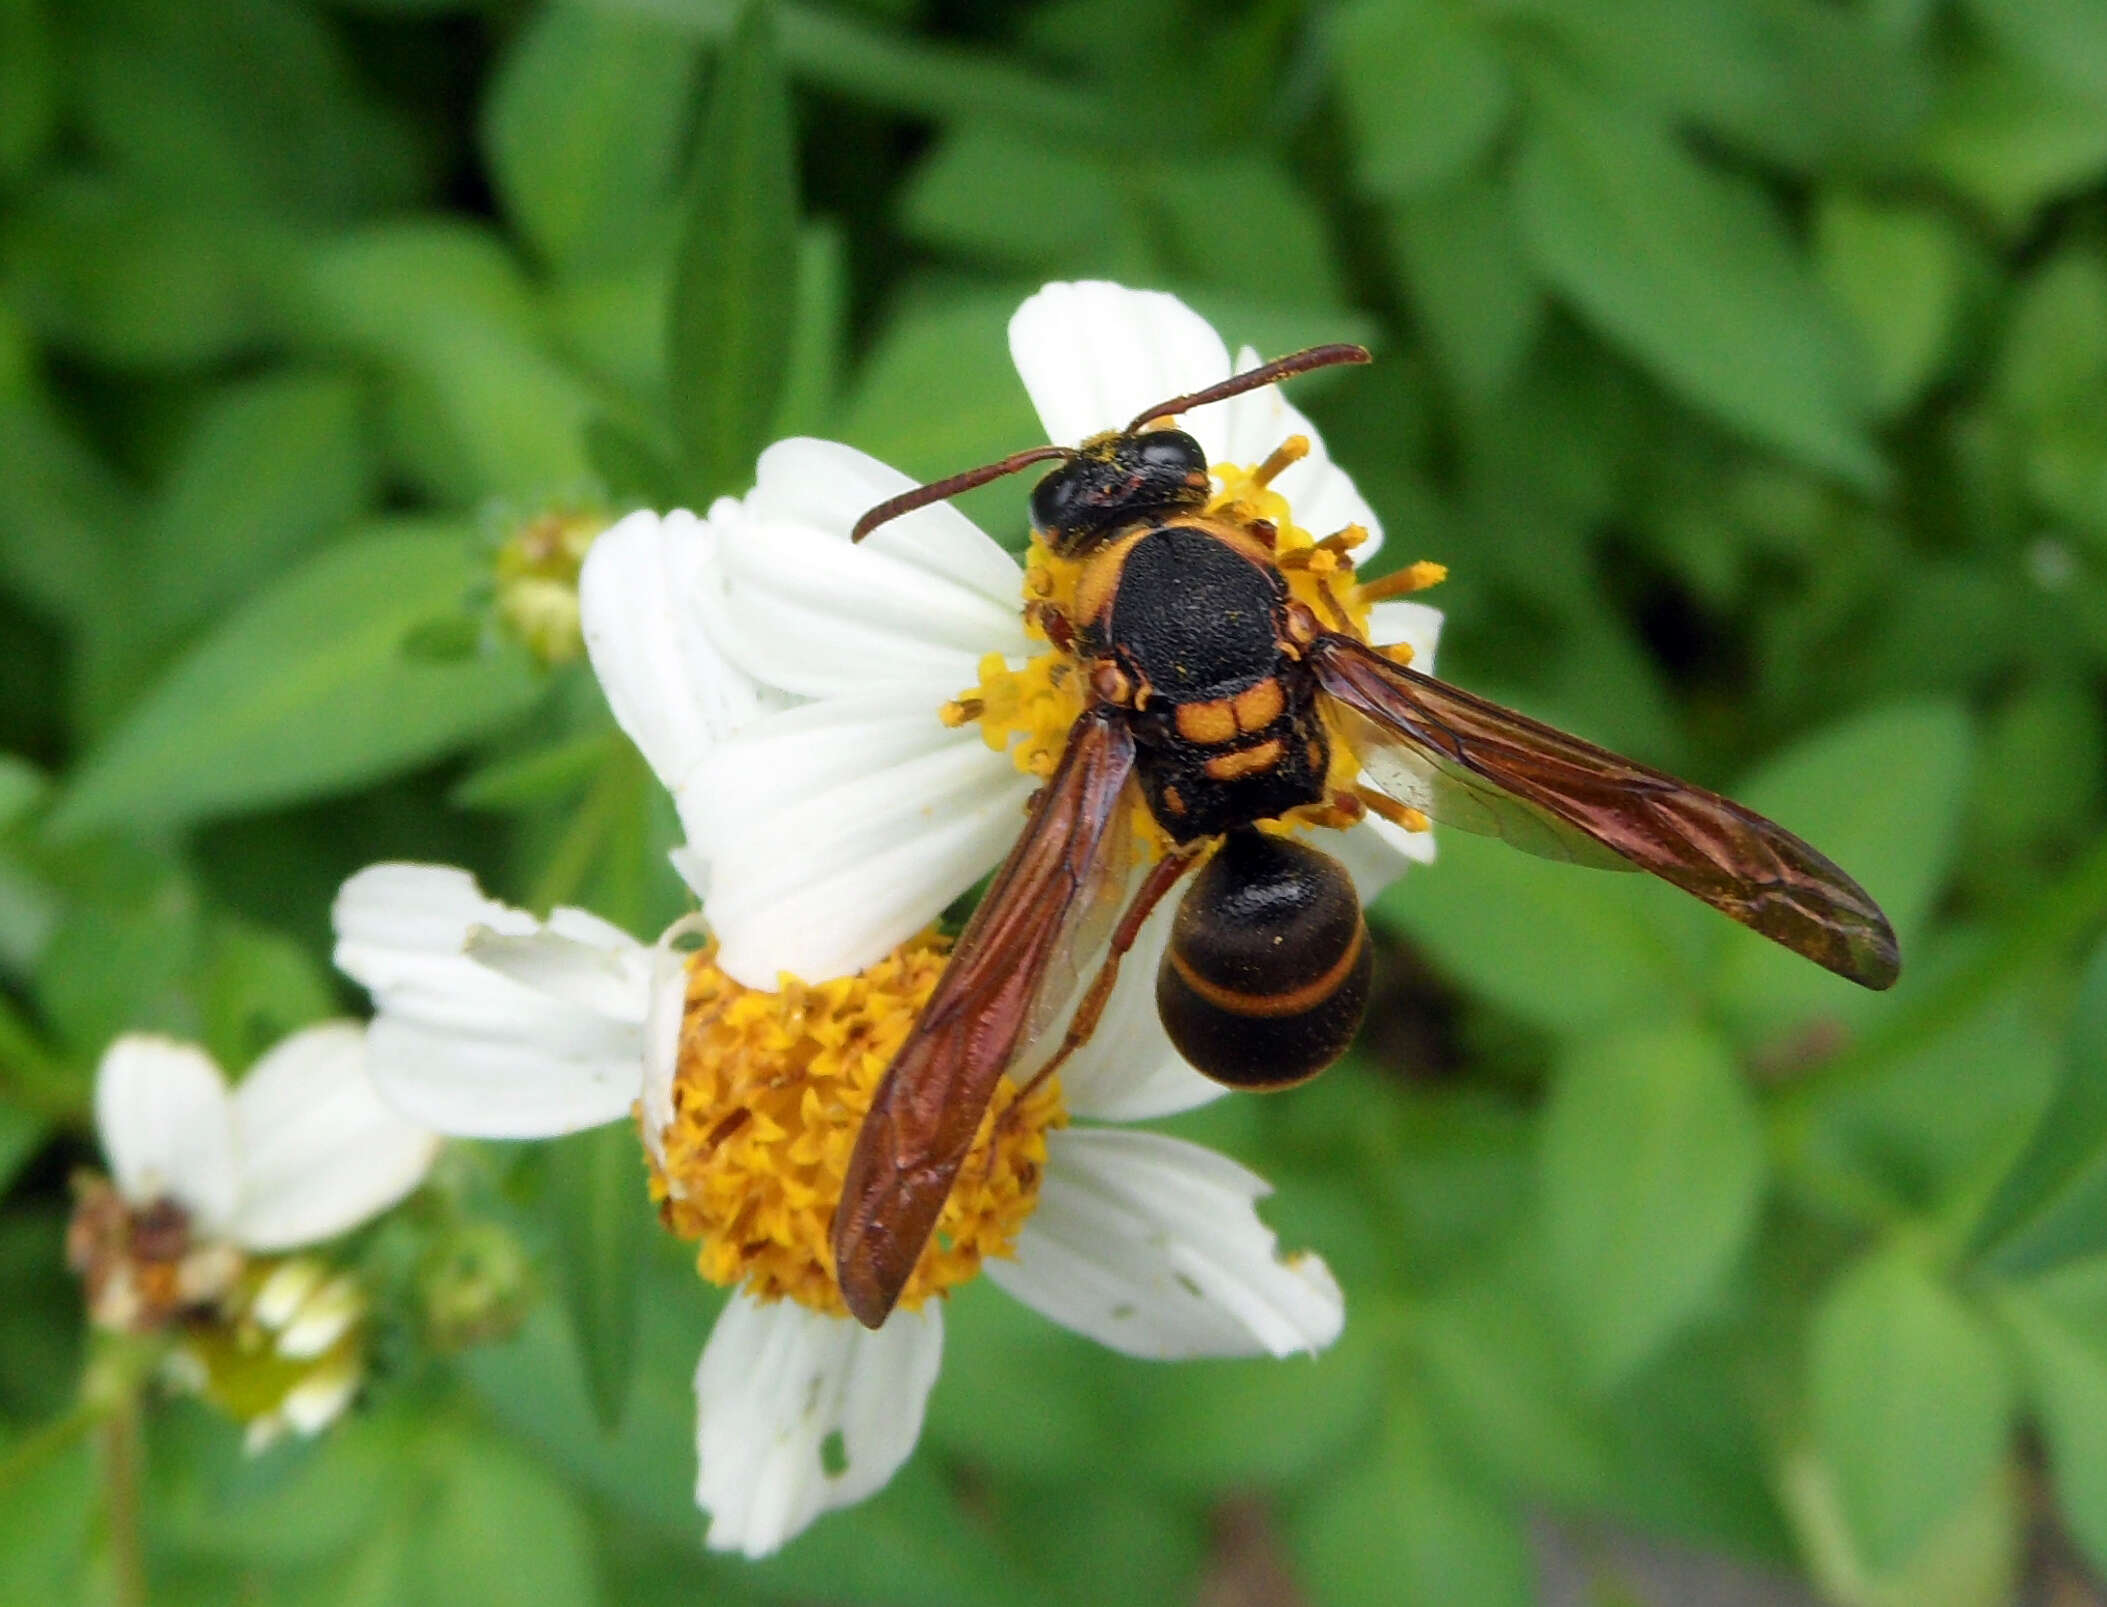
<point>1017,949</point>
<point>1473,763</point>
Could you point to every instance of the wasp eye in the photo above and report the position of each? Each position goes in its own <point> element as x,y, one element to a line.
<point>1169,454</point>
<point>1057,499</point>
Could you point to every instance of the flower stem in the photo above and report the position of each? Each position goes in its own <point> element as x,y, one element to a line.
<point>118,1440</point>
<point>110,1396</point>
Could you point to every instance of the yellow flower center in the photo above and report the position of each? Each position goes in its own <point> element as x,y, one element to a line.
<point>769,1092</point>
<point>1028,712</point>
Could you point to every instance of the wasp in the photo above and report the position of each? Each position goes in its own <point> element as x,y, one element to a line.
<point>1217,695</point>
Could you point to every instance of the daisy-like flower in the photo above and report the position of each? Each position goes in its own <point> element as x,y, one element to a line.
<point>207,1192</point>
<point>851,734</point>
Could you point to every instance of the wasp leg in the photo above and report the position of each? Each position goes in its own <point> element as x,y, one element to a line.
<point>1391,810</point>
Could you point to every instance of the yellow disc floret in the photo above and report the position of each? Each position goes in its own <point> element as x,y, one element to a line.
<point>769,1092</point>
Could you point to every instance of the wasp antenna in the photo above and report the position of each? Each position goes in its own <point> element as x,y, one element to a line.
<point>943,490</point>
<point>1265,374</point>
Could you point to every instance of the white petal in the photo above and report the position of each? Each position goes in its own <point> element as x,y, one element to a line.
<point>1128,1071</point>
<point>782,1392</point>
<point>1245,429</point>
<point>840,829</point>
<point>829,487</point>
<point>167,1126</point>
<point>1376,853</point>
<point>1402,620</point>
<point>320,1151</point>
<point>669,686</point>
<point>318,1400</point>
<point>802,609</point>
<point>1152,1246</point>
<point>463,1048</point>
<point>1093,355</point>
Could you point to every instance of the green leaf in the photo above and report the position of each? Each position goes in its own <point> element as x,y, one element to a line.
<point>22,788</point>
<point>1572,949</point>
<point>270,466</point>
<point>304,692</point>
<point>2066,1368</point>
<point>600,1221</point>
<point>1499,1380</point>
<point>2012,138</point>
<point>732,312</point>
<point>1899,271</point>
<point>937,394</point>
<point>114,272</point>
<point>1882,794</point>
<point>535,1385</point>
<point>632,466</point>
<point>1408,1527</point>
<point>1973,1559</point>
<point>1425,91</point>
<point>51,1520</point>
<point>2064,39</point>
<point>122,958</point>
<point>62,511</point>
<point>1207,1424</point>
<point>1462,264</point>
<point>237,105</point>
<point>1689,271</point>
<point>542,776</point>
<point>996,192</point>
<point>818,347</point>
<point>583,128</point>
<point>1912,1404</point>
<point>492,1519</point>
<point>1652,1171</point>
<point>480,406</point>
<point>29,84</point>
<point>258,986</point>
<point>1926,1128</point>
<point>2052,1207</point>
<point>22,1134</point>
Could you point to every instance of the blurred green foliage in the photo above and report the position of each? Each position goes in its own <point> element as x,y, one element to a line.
<point>1746,360</point>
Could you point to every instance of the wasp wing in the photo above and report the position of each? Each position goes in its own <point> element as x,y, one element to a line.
<point>1013,965</point>
<point>1471,763</point>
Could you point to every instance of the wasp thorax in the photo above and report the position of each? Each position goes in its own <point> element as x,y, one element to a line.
<point>1266,977</point>
<point>1114,480</point>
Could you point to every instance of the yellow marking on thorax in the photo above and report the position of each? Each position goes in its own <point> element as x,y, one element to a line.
<point>1098,583</point>
<point>1257,707</point>
<point>1244,762</point>
<point>1210,724</point>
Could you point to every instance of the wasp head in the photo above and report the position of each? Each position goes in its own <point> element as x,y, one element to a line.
<point>1114,480</point>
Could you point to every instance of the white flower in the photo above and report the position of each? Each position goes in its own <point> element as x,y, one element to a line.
<point>209,1188</point>
<point>782,682</point>
<point>302,1151</point>
<point>794,692</point>
<point>1145,1243</point>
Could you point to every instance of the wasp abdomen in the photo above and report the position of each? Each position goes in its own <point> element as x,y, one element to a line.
<point>1266,977</point>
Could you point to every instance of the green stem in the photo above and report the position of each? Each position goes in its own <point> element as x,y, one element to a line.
<point>118,1438</point>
